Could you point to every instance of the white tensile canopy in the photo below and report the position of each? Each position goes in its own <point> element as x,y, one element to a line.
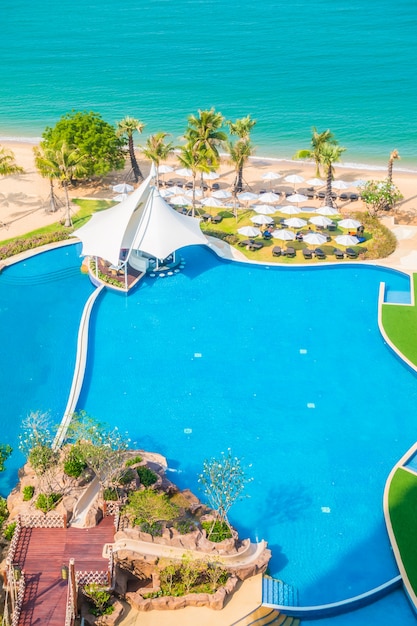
<point>144,222</point>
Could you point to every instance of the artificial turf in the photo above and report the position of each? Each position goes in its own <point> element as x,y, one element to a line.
<point>400,324</point>
<point>402,503</point>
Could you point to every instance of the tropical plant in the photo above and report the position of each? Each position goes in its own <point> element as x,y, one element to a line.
<point>329,153</point>
<point>125,128</point>
<point>8,163</point>
<point>241,127</point>
<point>9,531</point>
<point>35,442</point>
<point>147,476</point>
<point>4,512</point>
<point>95,140</point>
<point>394,155</point>
<point>239,151</point>
<point>217,531</point>
<point>149,506</point>
<point>74,463</point>
<point>134,461</point>
<point>204,135</point>
<point>380,195</point>
<point>47,502</point>
<point>28,492</point>
<point>5,452</point>
<point>194,161</point>
<point>65,164</point>
<point>223,481</point>
<point>45,162</point>
<point>317,142</point>
<point>156,150</point>
<point>100,598</point>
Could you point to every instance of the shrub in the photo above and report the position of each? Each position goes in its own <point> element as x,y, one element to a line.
<point>185,526</point>
<point>149,506</point>
<point>127,477</point>
<point>147,476</point>
<point>152,528</point>
<point>136,459</point>
<point>100,598</point>
<point>217,530</point>
<point>110,494</point>
<point>21,245</point>
<point>383,241</point>
<point>74,464</point>
<point>42,458</point>
<point>48,502</point>
<point>28,492</point>
<point>4,513</point>
<point>9,531</point>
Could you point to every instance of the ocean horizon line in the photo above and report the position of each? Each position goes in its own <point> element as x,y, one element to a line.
<point>353,165</point>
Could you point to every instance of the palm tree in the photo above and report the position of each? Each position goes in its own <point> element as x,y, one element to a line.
<point>63,164</point>
<point>156,150</point>
<point>196,161</point>
<point>241,127</point>
<point>394,155</point>
<point>204,135</point>
<point>329,154</point>
<point>8,164</point>
<point>317,141</point>
<point>46,165</point>
<point>239,151</point>
<point>125,128</point>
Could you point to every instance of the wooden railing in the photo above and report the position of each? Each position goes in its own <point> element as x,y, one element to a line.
<point>14,542</point>
<point>43,521</point>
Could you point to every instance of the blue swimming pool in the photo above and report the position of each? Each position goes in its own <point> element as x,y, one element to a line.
<point>286,366</point>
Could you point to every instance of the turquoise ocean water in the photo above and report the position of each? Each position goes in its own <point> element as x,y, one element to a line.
<point>344,65</point>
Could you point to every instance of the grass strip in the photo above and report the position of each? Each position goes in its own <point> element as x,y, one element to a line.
<point>400,324</point>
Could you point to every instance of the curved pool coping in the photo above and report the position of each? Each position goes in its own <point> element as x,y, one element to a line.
<point>406,582</point>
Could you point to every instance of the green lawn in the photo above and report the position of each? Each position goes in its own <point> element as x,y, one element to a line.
<point>402,503</point>
<point>400,324</point>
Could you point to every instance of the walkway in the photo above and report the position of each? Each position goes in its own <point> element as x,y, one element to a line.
<point>41,553</point>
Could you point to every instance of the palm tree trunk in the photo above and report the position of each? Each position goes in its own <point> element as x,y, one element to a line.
<point>193,199</point>
<point>328,197</point>
<point>52,201</point>
<point>68,220</point>
<point>135,166</point>
<point>390,167</point>
<point>239,185</point>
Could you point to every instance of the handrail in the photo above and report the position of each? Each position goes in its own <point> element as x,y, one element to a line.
<point>79,369</point>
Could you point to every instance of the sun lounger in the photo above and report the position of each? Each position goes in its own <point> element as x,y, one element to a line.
<point>276,251</point>
<point>307,254</point>
<point>289,252</point>
<point>351,253</point>
<point>256,245</point>
<point>243,243</point>
<point>353,197</point>
<point>338,253</point>
<point>344,196</point>
<point>319,253</point>
<point>216,219</point>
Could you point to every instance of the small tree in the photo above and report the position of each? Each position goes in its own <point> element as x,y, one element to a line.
<point>100,597</point>
<point>223,481</point>
<point>125,128</point>
<point>8,164</point>
<point>150,507</point>
<point>5,452</point>
<point>35,442</point>
<point>380,195</point>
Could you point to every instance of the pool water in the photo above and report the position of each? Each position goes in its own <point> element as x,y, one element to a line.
<point>285,366</point>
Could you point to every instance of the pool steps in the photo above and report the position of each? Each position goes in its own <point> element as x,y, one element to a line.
<point>40,279</point>
<point>262,616</point>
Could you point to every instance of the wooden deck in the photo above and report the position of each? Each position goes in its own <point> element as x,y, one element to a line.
<point>41,553</point>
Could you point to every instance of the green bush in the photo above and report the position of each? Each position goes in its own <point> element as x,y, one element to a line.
<point>28,492</point>
<point>127,477</point>
<point>110,494</point>
<point>100,598</point>
<point>74,464</point>
<point>4,513</point>
<point>185,526</point>
<point>147,476</point>
<point>152,528</point>
<point>136,459</point>
<point>21,245</point>
<point>217,530</point>
<point>48,502</point>
<point>42,458</point>
<point>9,531</point>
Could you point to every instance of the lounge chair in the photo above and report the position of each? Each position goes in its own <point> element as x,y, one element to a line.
<point>256,245</point>
<point>344,196</point>
<point>267,235</point>
<point>307,254</point>
<point>216,219</point>
<point>289,252</point>
<point>339,254</point>
<point>353,197</point>
<point>319,253</point>
<point>276,251</point>
<point>331,227</point>
<point>215,186</point>
<point>351,253</point>
<point>243,243</point>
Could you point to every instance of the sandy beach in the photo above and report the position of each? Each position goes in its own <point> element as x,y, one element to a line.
<point>24,197</point>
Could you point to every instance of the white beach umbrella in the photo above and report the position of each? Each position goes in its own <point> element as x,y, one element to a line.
<point>261,219</point>
<point>284,235</point>
<point>269,197</point>
<point>123,188</point>
<point>297,197</point>
<point>198,193</point>
<point>120,197</point>
<point>166,192</point>
<point>360,182</point>
<point>327,210</point>
<point>221,193</point>
<point>289,210</point>
<point>349,223</point>
<point>316,182</point>
<point>213,202</point>
<point>165,169</point>
<point>340,184</point>
<point>294,179</point>
<point>247,196</point>
<point>180,200</point>
<point>265,209</point>
<point>176,190</point>
<point>320,220</point>
<point>211,176</point>
<point>295,222</point>
<point>184,171</point>
<point>249,231</point>
<point>314,239</point>
<point>346,240</point>
<point>271,176</point>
